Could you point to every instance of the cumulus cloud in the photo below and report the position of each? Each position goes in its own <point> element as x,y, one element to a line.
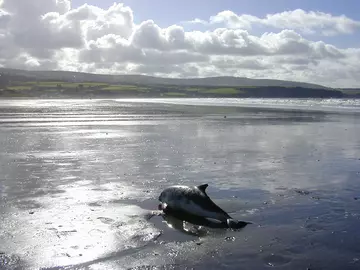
<point>310,22</point>
<point>50,34</point>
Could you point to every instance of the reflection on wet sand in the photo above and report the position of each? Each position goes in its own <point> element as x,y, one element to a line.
<point>77,195</point>
<point>196,226</point>
<point>184,226</point>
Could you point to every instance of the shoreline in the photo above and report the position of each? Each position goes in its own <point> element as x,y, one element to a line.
<point>296,105</point>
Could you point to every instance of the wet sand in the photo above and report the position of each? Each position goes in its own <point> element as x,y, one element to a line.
<point>79,179</point>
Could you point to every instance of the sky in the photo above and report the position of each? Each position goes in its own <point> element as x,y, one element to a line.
<point>308,41</point>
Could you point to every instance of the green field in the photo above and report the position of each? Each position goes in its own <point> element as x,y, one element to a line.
<point>125,88</point>
<point>19,87</point>
<point>222,91</point>
<point>176,91</point>
<point>55,84</point>
<point>41,83</point>
<point>175,94</point>
<point>195,89</point>
<point>69,85</point>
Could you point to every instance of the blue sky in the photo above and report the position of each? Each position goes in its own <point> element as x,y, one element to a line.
<point>167,12</point>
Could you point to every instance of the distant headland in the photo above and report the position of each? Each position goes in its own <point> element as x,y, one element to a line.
<point>67,84</point>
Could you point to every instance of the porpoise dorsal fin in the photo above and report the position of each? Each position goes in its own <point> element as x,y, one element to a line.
<point>203,187</point>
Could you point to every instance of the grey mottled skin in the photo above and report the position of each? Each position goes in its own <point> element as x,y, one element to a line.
<point>194,204</point>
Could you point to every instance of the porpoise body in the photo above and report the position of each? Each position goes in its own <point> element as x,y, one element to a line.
<point>193,202</point>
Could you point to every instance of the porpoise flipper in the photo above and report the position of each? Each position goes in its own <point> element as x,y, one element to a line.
<point>236,224</point>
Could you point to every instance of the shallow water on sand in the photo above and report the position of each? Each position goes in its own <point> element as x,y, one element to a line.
<point>78,179</point>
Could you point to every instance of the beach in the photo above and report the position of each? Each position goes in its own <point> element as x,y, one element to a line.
<point>79,179</point>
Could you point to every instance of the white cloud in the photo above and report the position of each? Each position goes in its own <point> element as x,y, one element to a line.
<point>305,22</point>
<point>230,19</point>
<point>48,34</point>
<point>312,21</point>
<point>195,21</point>
<point>117,20</point>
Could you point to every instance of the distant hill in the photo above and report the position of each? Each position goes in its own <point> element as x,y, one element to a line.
<point>226,81</point>
<point>67,84</point>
